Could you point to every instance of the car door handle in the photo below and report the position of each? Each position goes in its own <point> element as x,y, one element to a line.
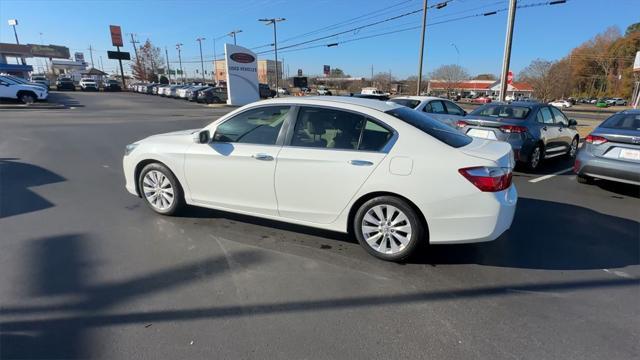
<point>544,128</point>
<point>360,162</point>
<point>262,156</point>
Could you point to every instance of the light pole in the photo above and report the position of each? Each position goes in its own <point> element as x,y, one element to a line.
<point>178,47</point>
<point>424,29</point>
<point>275,43</point>
<point>14,22</point>
<point>199,40</point>
<point>507,49</point>
<point>233,34</point>
<point>215,58</point>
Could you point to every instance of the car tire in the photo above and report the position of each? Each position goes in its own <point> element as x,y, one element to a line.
<point>584,179</point>
<point>535,158</point>
<point>160,189</point>
<point>391,237</point>
<point>573,148</point>
<point>27,98</point>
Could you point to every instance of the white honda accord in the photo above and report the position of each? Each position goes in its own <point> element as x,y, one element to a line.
<point>393,177</point>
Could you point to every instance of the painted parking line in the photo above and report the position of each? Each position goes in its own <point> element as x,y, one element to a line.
<point>541,178</point>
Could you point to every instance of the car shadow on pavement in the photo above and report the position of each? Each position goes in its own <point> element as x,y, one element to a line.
<point>16,178</point>
<point>65,99</point>
<point>618,188</point>
<point>62,266</point>
<point>552,236</point>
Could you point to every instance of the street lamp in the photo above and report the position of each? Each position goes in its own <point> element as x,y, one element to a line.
<point>179,47</point>
<point>275,43</point>
<point>199,40</point>
<point>215,57</point>
<point>233,33</point>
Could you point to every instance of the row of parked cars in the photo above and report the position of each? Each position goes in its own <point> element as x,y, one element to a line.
<point>539,132</point>
<point>196,92</point>
<point>87,84</point>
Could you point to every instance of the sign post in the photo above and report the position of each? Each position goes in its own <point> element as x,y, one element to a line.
<point>116,40</point>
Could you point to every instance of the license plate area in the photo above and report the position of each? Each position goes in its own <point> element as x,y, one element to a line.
<point>629,154</point>
<point>483,134</point>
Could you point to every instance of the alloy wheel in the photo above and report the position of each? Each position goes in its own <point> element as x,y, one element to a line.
<point>158,190</point>
<point>535,157</point>
<point>574,148</point>
<point>386,229</point>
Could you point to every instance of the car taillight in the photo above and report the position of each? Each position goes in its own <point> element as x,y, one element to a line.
<point>513,129</point>
<point>489,179</point>
<point>461,123</point>
<point>595,140</point>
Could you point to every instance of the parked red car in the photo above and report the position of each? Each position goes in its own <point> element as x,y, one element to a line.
<point>481,100</point>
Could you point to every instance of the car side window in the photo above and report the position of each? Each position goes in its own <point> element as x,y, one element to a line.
<point>560,118</point>
<point>435,107</point>
<point>453,109</point>
<point>255,126</point>
<point>327,128</point>
<point>544,116</point>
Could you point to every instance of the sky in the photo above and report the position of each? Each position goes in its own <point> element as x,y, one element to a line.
<point>455,36</point>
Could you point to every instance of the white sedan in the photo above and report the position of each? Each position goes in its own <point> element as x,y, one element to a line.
<point>560,104</point>
<point>393,177</point>
<point>440,109</point>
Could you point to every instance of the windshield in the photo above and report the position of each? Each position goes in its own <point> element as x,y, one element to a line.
<point>432,127</point>
<point>406,102</point>
<point>502,112</point>
<point>623,122</point>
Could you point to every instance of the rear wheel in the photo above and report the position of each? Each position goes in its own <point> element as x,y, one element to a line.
<point>160,189</point>
<point>535,158</point>
<point>388,228</point>
<point>583,179</point>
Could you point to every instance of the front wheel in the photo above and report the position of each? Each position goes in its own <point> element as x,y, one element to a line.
<point>584,179</point>
<point>160,189</point>
<point>573,149</point>
<point>388,228</point>
<point>27,98</point>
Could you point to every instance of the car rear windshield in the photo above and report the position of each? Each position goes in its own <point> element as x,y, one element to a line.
<point>406,102</point>
<point>502,111</point>
<point>623,122</point>
<point>442,132</point>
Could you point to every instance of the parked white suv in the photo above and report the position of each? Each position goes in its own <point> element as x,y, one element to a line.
<point>28,94</point>
<point>87,84</point>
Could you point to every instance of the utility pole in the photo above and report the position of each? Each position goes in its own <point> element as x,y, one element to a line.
<point>371,74</point>
<point>424,29</point>
<point>507,49</point>
<point>179,47</point>
<point>101,65</point>
<point>233,34</point>
<point>166,52</point>
<point>199,40</point>
<point>275,43</point>
<point>91,53</point>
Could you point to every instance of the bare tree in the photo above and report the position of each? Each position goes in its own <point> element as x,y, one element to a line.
<point>149,61</point>
<point>383,81</point>
<point>539,75</point>
<point>450,76</point>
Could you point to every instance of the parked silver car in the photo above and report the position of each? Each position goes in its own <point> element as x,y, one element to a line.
<point>439,109</point>
<point>612,150</point>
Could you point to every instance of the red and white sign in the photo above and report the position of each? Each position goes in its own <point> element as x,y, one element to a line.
<point>116,35</point>
<point>510,78</point>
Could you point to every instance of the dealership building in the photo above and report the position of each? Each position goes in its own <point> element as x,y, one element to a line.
<point>517,89</point>
<point>13,57</point>
<point>266,71</point>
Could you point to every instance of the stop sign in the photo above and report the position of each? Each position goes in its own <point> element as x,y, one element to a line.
<point>509,77</point>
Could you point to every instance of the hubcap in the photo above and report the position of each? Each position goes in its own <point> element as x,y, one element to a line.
<point>574,148</point>
<point>157,190</point>
<point>386,229</point>
<point>535,157</point>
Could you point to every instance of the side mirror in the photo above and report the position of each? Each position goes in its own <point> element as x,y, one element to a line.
<point>573,122</point>
<point>201,137</point>
<point>464,113</point>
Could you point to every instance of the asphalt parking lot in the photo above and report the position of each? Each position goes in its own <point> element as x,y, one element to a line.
<point>89,271</point>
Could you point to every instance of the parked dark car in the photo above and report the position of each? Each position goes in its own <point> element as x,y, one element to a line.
<point>192,95</point>
<point>535,131</point>
<point>612,150</point>
<point>112,85</point>
<point>265,91</point>
<point>65,84</point>
<point>213,95</point>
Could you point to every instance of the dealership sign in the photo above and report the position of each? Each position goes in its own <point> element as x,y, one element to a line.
<point>242,75</point>
<point>116,35</point>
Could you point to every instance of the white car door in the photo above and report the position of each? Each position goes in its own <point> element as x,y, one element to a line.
<point>235,170</point>
<point>5,90</point>
<point>328,155</point>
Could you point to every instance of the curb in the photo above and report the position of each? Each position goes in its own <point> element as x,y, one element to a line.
<point>31,107</point>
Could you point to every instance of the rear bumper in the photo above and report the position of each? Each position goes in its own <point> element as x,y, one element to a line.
<point>608,169</point>
<point>480,218</point>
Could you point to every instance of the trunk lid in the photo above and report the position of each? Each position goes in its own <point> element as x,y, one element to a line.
<point>497,151</point>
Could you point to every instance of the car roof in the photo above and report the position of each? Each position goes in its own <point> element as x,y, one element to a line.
<point>374,104</point>
<point>421,98</point>
<point>630,111</point>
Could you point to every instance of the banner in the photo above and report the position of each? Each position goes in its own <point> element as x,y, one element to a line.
<point>242,75</point>
<point>116,35</point>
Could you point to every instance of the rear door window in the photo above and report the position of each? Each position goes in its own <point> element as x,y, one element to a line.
<point>435,107</point>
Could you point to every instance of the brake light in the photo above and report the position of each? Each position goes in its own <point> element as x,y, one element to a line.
<point>488,179</point>
<point>461,123</point>
<point>513,129</point>
<point>595,140</point>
